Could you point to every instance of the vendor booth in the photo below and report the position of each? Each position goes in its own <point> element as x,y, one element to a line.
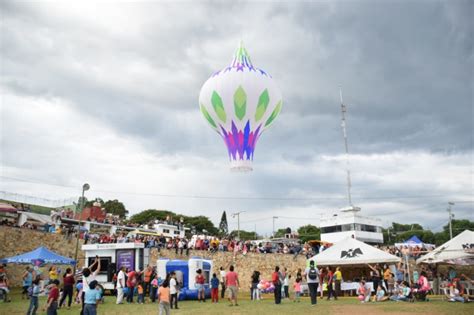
<point>39,256</point>
<point>354,254</point>
<point>133,256</point>
<point>457,251</point>
<point>414,241</point>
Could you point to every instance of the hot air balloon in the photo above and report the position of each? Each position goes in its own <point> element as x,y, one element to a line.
<point>239,102</point>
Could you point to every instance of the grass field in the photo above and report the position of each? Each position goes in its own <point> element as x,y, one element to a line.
<point>346,305</point>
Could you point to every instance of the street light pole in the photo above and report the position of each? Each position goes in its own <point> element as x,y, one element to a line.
<point>238,222</point>
<point>85,187</point>
<point>273,231</point>
<point>450,218</point>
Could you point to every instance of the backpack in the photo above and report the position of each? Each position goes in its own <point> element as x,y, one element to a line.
<point>313,273</point>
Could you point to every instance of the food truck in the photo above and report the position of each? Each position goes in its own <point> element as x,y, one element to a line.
<point>186,274</point>
<point>133,256</point>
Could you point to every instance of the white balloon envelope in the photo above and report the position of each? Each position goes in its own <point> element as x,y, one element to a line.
<point>239,102</point>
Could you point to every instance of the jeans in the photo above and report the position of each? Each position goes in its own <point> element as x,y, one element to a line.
<point>33,306</point>
<point>164,308</point>
<point>174,299</point>
<point>153,294</point>
<point>222,290</point>
<point>141,298</point>
<point>256,292</point>
<point>67,292</point>
<point>90,309</point>
<point>277,293</point>
<point>331,292</point>
<point>287,293</point>
<point>131,291</point>
<point>338,287</point>
<point>313,292</point>
<point>53,308</point>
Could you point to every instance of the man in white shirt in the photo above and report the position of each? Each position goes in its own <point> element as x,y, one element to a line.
<point>120,285</point>
<point>174,290</point>
<point>222,275</point>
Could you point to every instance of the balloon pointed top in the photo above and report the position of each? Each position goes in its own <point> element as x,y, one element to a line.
<point>241,58</point>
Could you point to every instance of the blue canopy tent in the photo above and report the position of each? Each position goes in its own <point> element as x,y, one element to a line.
<point>413,242</point>
<point>41,254</point>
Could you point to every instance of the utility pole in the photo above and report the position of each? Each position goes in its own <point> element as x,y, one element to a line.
<point>273,231</point>
<point>451,216</point>
<point>237,214</point>
<point>343,125</point>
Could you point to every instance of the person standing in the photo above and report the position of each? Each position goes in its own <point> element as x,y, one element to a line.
<point>35,291</point>
<point>200,286</point>
<point>68,281</point>
<point>92,299</point>
<point>255,282</point>
<point>87,277</point>
<point>164,298</point>
<point>330,281</point>
<point>27,282</point>
<point>120,285</point>
<point>286,283</point>
<point>277,284</point>
<point>174,290</point>
<point>147,277</point>
<point>376,275</point>
<point>312,278</point>
<point>337,282</point>
<point>232,283</point>
<point>51,306</point>
<point>222,278</point>
<point>131,284</point>
<point>214,288</point>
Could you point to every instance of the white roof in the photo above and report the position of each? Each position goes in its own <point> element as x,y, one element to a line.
<point>459,250</point>
<point>352,252</point>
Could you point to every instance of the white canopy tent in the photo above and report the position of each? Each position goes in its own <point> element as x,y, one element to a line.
<point>352,252</point>
<point>457,251</point>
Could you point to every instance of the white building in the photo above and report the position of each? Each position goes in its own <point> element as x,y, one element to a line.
<point>169,230</point>
<point>349,223</point>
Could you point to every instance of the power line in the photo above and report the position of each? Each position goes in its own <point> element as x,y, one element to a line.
<point>263,198</point>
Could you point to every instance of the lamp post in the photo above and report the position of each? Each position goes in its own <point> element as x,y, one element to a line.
<point>238,222</point>
<point>85,187</point>
<point>273,231</point>
<point>451,216</point>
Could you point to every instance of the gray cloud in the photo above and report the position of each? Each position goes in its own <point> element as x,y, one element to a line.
<point>134,72</point>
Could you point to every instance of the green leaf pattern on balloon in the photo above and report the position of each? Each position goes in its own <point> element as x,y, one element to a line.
<point>263,101</point>
<point>240,102</point>
<point>216,101</point>
<point>274,114</point>
<point>208,117</point>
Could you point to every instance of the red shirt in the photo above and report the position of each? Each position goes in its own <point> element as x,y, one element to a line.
<point>68,280</point>
<point>231,278</point>
<point>275,277</point>
<point>53,294</point>
<point>132,280</point>
<point>200,279</point>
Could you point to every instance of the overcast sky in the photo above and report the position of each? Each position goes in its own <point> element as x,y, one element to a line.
<point>108,94</point>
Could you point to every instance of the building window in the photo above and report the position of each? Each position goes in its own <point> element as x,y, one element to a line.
<point>166,230</point>
<point>351,227</point>
<point>176,232</point>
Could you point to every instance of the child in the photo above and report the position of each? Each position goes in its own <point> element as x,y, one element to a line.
<point>380,295</point>
<point>297,289</point>
<point>92,298</point>
<point>35,291</point>
<point>154,289</point>
<point>164,298</point>
<point>140,293</point>
<point>214,288</point>
<point>79,293</point>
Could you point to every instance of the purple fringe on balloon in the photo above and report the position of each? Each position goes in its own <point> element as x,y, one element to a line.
<point>241,143</point>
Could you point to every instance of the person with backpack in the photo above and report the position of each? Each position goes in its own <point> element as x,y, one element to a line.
<point>312,278</point>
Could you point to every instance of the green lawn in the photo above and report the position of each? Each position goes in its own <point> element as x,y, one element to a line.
<point>345,305</point>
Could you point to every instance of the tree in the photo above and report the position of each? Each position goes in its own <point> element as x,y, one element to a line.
<point>115,207</point>
<point>309,232</point>
<point>281,232</point>
<point>201,223</point>
<point>150,215</point>
<point>223,227</point>
<point>244,235</point>
<point>397,227</point>
<point>458,226</point>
